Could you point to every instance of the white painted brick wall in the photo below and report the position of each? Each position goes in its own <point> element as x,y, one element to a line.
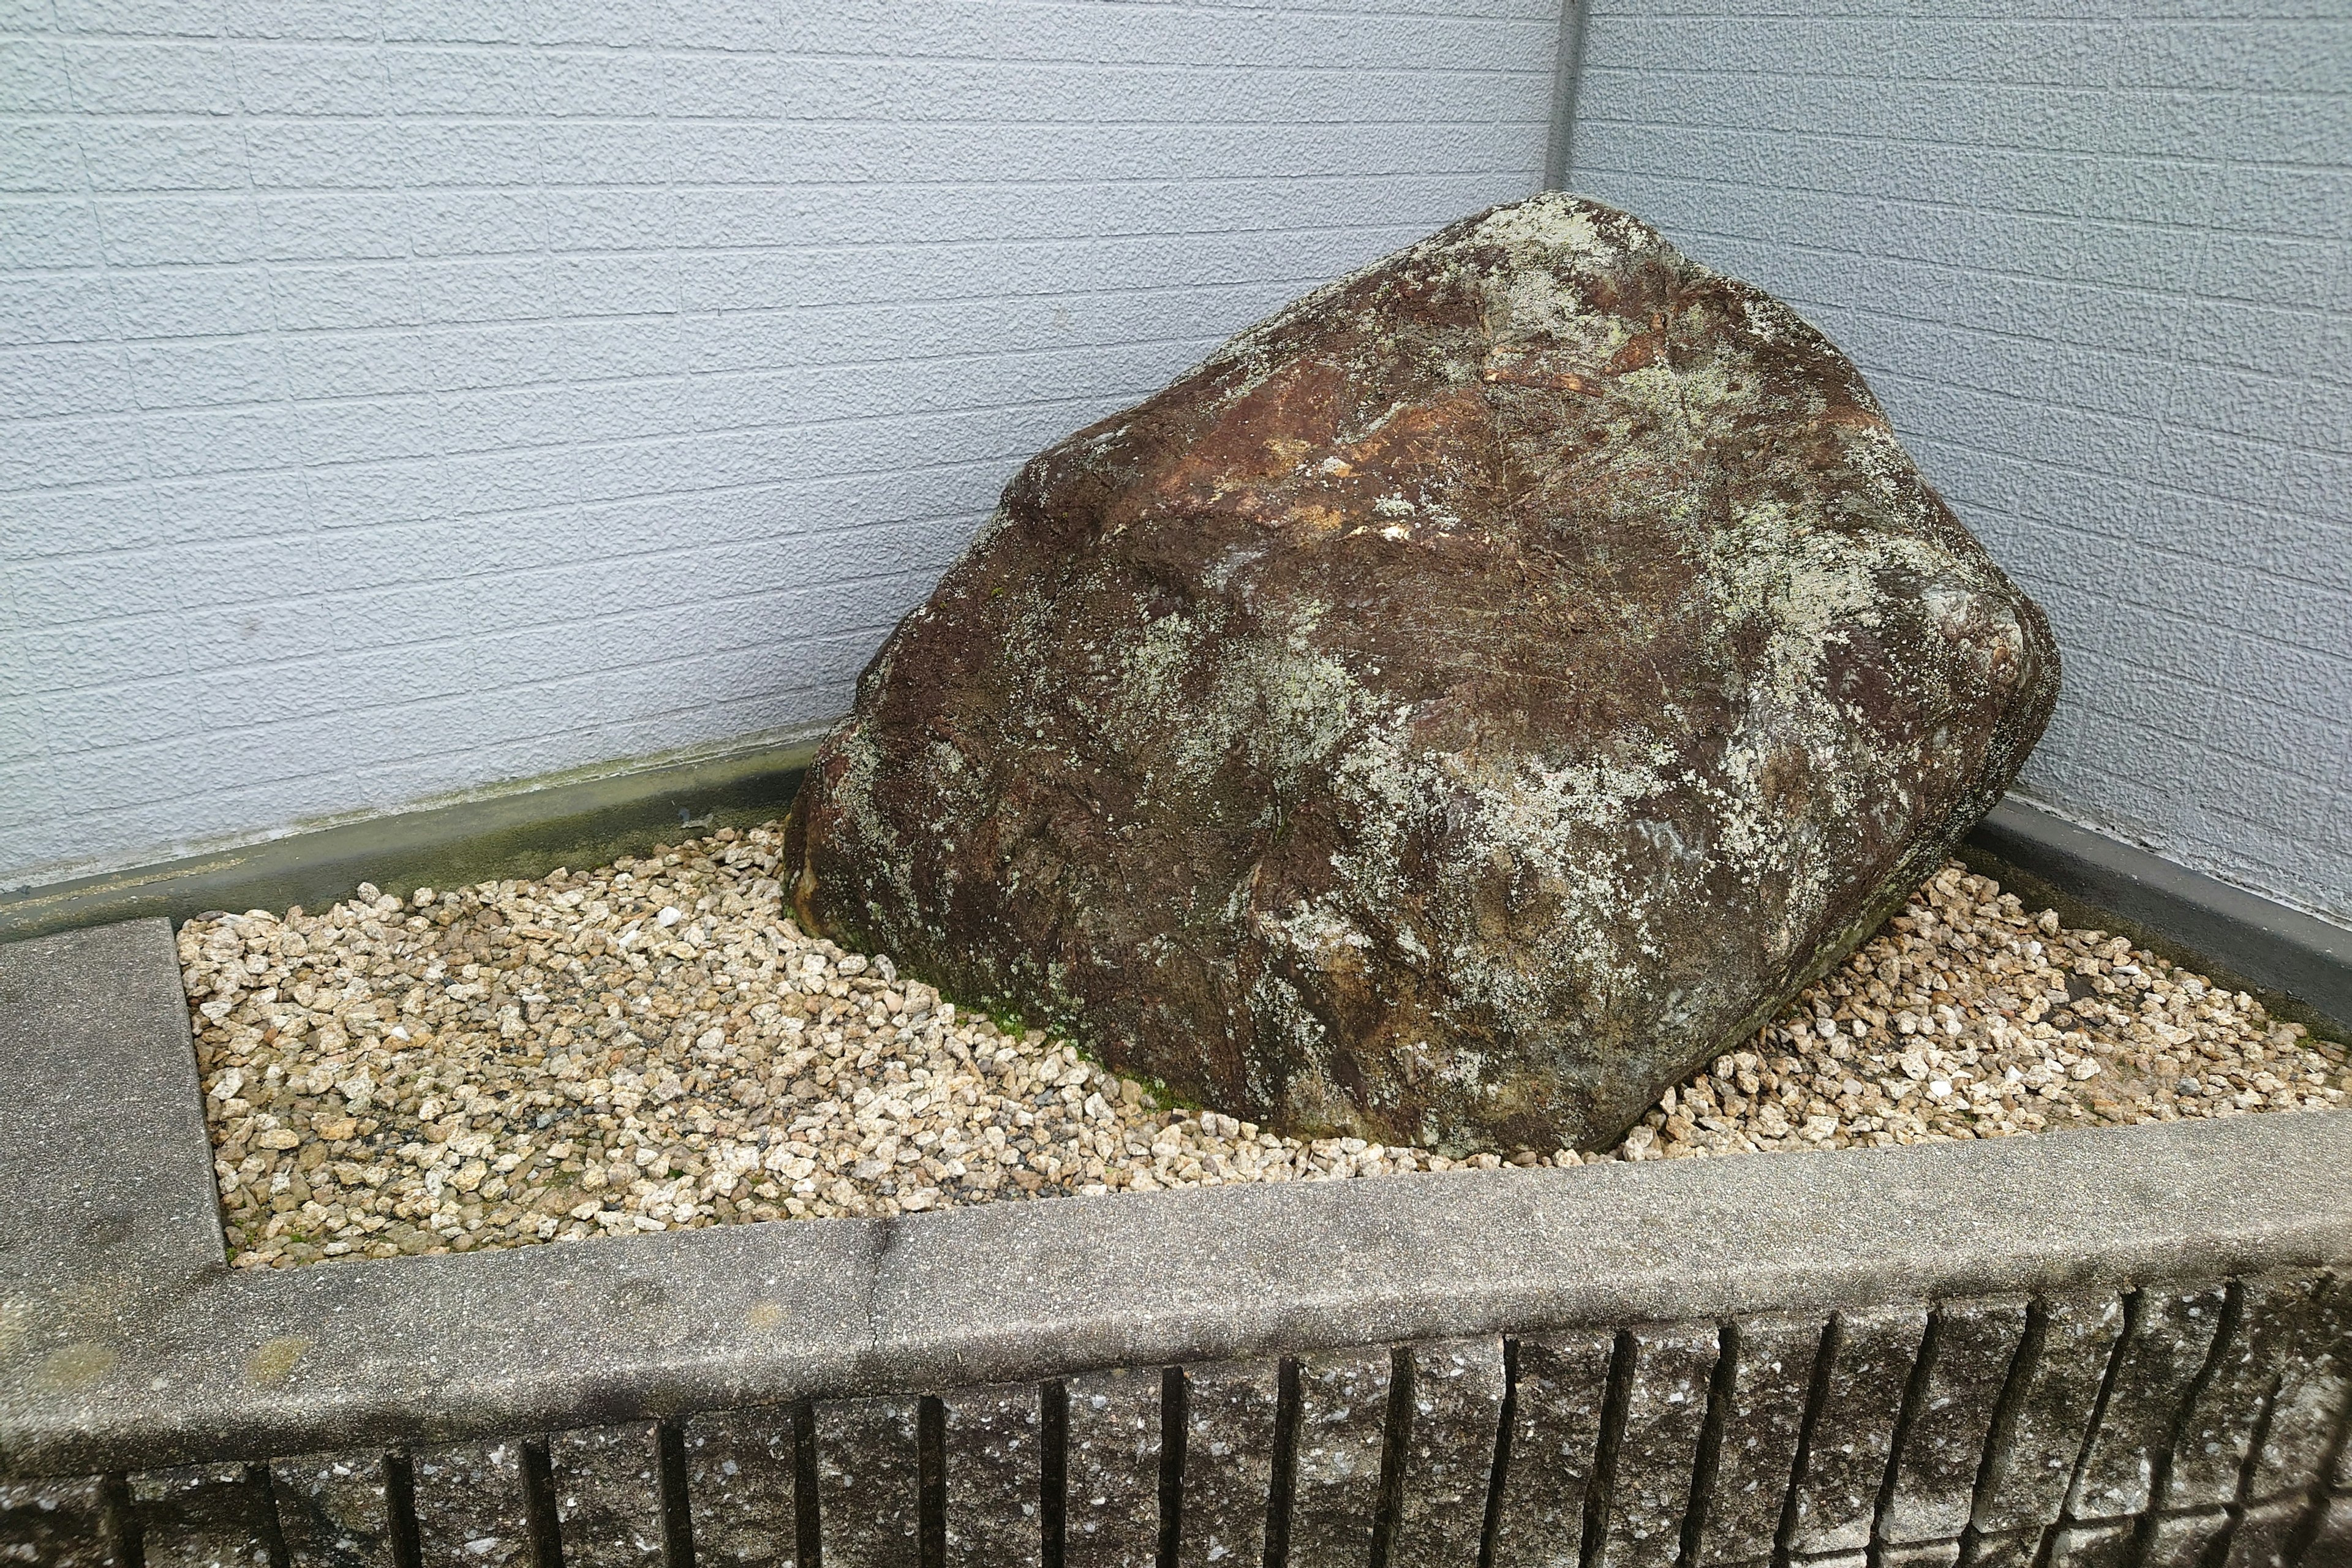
<point>400,397</point>
<point>2097,258</point>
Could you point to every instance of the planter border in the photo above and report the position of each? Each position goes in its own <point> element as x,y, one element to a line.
<point>146,1349</point>
<point>1947,1318</point>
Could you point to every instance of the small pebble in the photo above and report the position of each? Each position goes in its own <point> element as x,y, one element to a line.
<point>655,1045</point>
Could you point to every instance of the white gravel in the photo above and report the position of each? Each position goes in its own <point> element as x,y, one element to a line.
<point>654,1045</point>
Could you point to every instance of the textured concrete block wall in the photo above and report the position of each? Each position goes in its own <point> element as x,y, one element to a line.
<point>2171,1426</point>
<point>2097,258</point>
<point>398,396</point>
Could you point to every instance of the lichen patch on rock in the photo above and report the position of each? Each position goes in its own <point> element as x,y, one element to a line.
<point>655,1045</point>
<point>1469,700</point>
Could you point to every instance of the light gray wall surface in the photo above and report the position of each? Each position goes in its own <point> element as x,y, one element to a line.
<point>2096,256</point>
<point>400,397</point>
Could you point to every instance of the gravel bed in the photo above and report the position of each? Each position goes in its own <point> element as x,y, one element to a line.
<point>654,1045</point>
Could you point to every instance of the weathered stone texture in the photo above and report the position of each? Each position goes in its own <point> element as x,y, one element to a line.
<point>1936,1475</point>
<point>1111,1507</point>
<point>2183,1540</point>
<point>473,1508</point>
<point>1469,700</point>
<point>2314,1385</point>
<point>1229,1418</point>
<point>2266,1536</point>
<point>2218,1427</point>
<point>1343,1399</point>
<point>2331,1542</point>
<point>869,1483</point>
<point>740,1488</point>
<point>2035,1462</point>
<point>2169,1336</point>
<point>1845,1459</point>
<point>990,1447</point>
<point>1563,1382</point>
<point>1764,1417</point>
<point>55,1524</point>
<point>2111,1545</point>
<point>2010,1549</point>
<point>1665,1410</point>
<point>608,1495</point>
<point>1921,1554</point>
<point>203,1516</point>
<point>334,1511</point>
<point>1449,1452</point>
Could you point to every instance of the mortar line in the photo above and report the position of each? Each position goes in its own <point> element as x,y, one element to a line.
<point>118,1521</point>
<point>2217,1352</point>
<point>1396,1445</point>
<point>1282,1485</point>
<point>1707,1467</point>
<point>1175,1408</point>
<point>1906,1418</point>
<point>1614,1402</point>
<point>2001,1430</point>
<point>2134,1316</point>
<point>808,1532</point>
<point>400,1510</point>
<point>1499,1469</point>
<point>259,1476</point>
<point>1053,1472</point>
<point>1817,1396</point>
<point>539,1504</point>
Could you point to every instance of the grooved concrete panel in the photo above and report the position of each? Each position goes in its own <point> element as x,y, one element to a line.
<point>739,1474</point>
<point>1854,1433</point>
<point>2265,1537</point>
<point>1763,1419</point>
<point>202,1516</point>
<point>2057,1392</point>
<point>2218,1427</point>
<point>2183,1539</point>
<point>60,1524</point>
<point>399,398</point>
<point>2332,1542</point>
<point>991,1453</point>
<point>1448,1453</point>
<point>1229,1437</point>
<point>2092,256</point>
<point>472,1507</point>
<point>2167,1341</point>
<point>334,1510</point>
<point>1935,1473</point>
<point>1561,1389</point>
<point>868,1483</point>
<point>1666,1409</point>
<point>1343,1398</point>
<point>608,1502</point>
<point>1111,1504</point>
<point>991,1444</point>
<point>2314,1387</point>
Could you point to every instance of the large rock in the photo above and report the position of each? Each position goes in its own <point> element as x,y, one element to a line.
<point>1474,696</point>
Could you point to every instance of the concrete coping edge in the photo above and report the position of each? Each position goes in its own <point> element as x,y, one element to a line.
<point>114,1370</point>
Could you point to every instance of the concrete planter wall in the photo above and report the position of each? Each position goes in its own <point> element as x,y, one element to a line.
<point>2128,1347</point>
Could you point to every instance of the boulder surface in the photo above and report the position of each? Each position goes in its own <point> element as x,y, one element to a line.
<point>1472,697</point>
